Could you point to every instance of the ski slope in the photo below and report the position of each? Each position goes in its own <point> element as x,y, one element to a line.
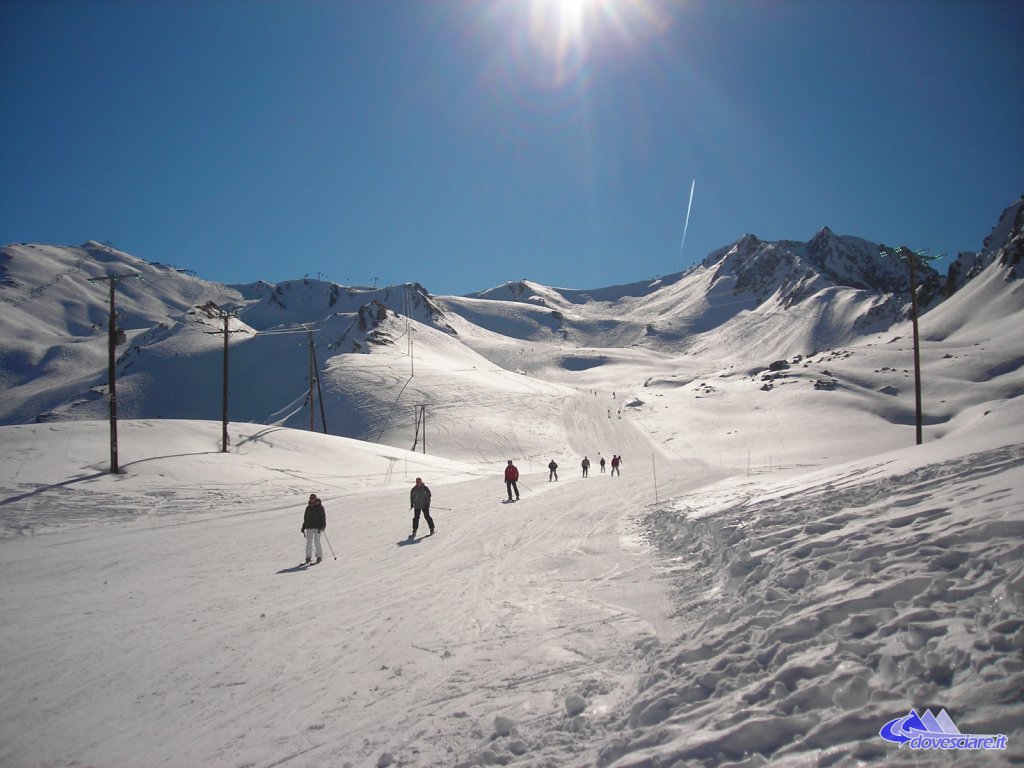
<point>777,574</point>
<point>161,617</point>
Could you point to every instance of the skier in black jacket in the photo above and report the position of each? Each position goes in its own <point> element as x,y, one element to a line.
<point>419,500</point>
<point>314,522</point>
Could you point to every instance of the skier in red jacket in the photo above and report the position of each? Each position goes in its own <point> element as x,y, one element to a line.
<point>511,476</point>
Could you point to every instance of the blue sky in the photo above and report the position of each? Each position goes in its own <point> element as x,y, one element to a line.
<point>461,144</point>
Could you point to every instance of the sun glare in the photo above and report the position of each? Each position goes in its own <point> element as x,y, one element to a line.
<point>564,17</point>
<point>560,36</point>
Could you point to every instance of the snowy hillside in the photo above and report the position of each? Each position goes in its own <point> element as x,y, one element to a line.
<point>53,340</point>
<point>776,298</point>
<point>751,299</point>
<point>776,574</point>
<point>707,610</point>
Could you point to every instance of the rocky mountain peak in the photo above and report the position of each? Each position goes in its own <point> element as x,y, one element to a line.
<point>1004,244</point>
<point>796,270</point>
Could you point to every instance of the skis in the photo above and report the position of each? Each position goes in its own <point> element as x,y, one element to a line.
<point>413,540</point>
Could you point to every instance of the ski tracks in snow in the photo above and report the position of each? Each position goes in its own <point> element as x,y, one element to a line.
<point>826,604</point>
<point>519,611</point>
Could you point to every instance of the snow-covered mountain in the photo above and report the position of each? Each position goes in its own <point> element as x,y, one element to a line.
<point>777,573</point>
<point>1005,244</point>
<point>53,340</point>
<point>754,300</point>
<point>839,287</point>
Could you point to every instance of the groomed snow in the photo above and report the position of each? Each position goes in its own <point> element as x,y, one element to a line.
<point>159,617</point>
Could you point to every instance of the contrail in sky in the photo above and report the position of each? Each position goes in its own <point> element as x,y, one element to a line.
<point>686,225</point>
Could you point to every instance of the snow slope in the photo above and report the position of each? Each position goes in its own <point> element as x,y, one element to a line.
<point>773,299</point>
<point>54,320</point>
<point>777,573</point>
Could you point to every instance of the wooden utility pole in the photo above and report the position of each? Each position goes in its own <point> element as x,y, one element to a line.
<point>225,316</point>
<point>115,336</point>
<point>421,426</point>
<point>407,305</point>
<point>314,382</point>
<point>912,258</point>
<point>224,394</point>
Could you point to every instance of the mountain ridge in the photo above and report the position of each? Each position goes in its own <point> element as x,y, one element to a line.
<point>755,299</point>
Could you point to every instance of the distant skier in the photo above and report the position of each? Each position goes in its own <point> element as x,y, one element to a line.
<point>419,501</point>
<point>552,471</point>
<point>616,460</point>
<point>602,465</point>
<point>314,522</point>
<point>586,465</point>
<point>511,478</point>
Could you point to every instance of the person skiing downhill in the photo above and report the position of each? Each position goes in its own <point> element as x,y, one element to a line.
<point>419,500</point>
<point>616,461</point>
<point>314,522</point>
<point>511,476</point>
<point>552,471</point>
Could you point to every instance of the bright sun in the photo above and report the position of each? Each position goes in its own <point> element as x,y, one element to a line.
<point>563,24</point>
<point>563,33</point>
<point>568,16</point>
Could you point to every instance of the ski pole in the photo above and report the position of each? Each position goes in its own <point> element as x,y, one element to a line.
<point>324,532</point>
